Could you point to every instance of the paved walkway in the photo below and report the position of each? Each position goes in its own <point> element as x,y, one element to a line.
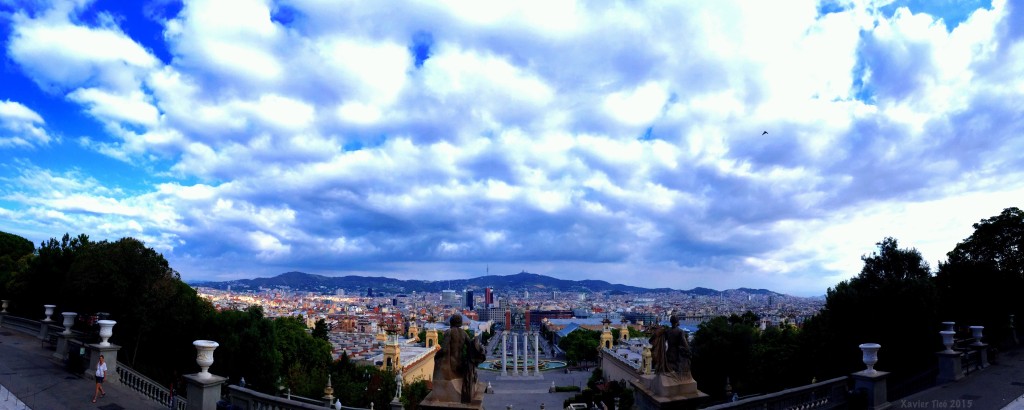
<point>1001,385</point>
<point>530,394</point>
<point>38,381</point>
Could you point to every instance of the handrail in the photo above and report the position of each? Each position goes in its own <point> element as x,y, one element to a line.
<point>827,394</point>
<point>251,399</point>
<point>149,388</point>
<point>21,324</point>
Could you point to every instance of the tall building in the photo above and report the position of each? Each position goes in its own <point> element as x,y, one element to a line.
<point>369,292</point>
<point>467,299</point>
<point>449,297</point>
<point>488,297</point>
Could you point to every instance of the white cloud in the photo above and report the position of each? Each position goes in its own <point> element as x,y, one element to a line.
<point>60,54</point>
<point>621,139</point>
<point>20,126</point>
<point>132,108</point>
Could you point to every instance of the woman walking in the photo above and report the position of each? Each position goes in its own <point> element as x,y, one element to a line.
<point>101,373</point>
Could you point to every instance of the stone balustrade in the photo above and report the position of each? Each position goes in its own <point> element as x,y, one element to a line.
<point>828,394</point>
<point>244,398</point>
<point>149,388</point>
<point>26,326</point>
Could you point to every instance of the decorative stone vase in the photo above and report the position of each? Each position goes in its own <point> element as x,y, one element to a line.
<point>5,302</point>
<point>106,330</point>
<point>204,356</point>
<point>976,333</point>
<point>949,326</point>
<point>947,340</point>
<point>870,351</point>
<point>69,319</point>
<point>49,312</point>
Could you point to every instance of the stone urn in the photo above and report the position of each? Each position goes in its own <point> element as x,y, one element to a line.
<point>69,319</point>
<point>870,357</point>
<point>947,340</point>
<point>5,302</point>
<point>948,326</point>
<point>106,330</point>
<point>204,356</point>
<point>49,312</point>
<point>976,333</point>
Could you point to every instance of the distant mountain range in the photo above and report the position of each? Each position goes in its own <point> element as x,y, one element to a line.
<point>522,281</point>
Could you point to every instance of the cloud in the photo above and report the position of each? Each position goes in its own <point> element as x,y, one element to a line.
<point>60,55</point>
<point>620,141</point>
<point>20,126</point>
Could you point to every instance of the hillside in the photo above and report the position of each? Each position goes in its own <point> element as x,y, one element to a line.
<point>523,281</point>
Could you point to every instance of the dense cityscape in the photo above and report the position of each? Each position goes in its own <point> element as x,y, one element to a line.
<point>363,311</point>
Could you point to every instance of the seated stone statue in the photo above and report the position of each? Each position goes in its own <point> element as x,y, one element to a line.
<point>455,366</point>
<point>670,361</point>
<point>677,351</point>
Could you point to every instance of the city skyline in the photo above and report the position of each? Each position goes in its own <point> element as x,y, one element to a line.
<point>715,145</point>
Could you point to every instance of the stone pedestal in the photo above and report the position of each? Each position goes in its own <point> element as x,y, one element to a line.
<point>44,330</point>
<point>447,393</point>
<point>950,367</point>
<point>656,392</point>
<point>62,348</point>
<point>873,382</point>
<point>109,355</point>
<point>203,392</point>
<point>982,349</point>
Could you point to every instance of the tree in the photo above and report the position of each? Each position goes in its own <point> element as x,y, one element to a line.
<point>320,330</point>
<point>721,349</point>
<point>304,359</point>
<point>892,302</point>
<point>414,393</point>
<point>248,348</point>
<point>979,282</point>
<point>580,346</point>
<point>15,252</point>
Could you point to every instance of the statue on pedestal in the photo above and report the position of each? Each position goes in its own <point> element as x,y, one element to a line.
<point>670,361</point>
<point>455,365</point>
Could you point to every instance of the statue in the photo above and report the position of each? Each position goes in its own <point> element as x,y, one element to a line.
<point>399,381</point>
<point>670,362</point>
<point>672,385</point>
<point>455,367</point>
<point>677,353</point>
<point>658,347</point>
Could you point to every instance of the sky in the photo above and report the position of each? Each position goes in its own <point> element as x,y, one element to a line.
<point>663,144</point>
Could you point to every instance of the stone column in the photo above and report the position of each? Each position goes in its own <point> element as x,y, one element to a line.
<point>536,353</point>
<point>203,392</point>
<point>515,355</point>
<point>504,353</point>
<point>62,347</point>
<point>950,367</point>
<point>526,353</point>
<point>873,382</point>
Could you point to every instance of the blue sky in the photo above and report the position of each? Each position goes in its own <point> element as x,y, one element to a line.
<point>617,141</point>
